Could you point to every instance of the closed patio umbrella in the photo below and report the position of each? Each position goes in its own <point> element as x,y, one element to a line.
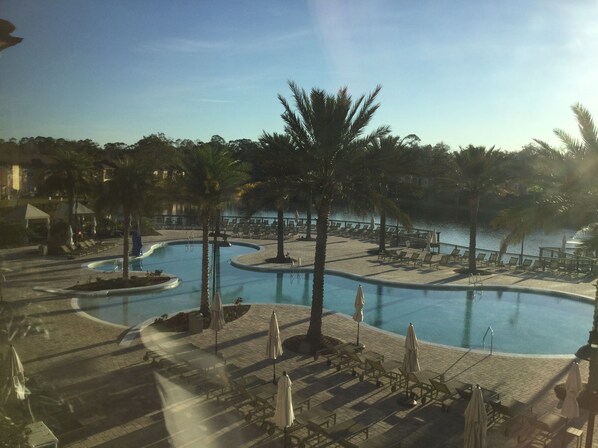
<point>217,316</point>
<point>69,237</point>
<point>13,377</point>
<point>410,361</point>
<point>274,345</point>
<point>476,421</point>
<point>284,415</point>
<point>359,303</point>
<point>573,386</point>
<point>428,242</point>
<point>564,244</point>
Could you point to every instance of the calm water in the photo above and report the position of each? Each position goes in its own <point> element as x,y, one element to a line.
<point>523,322</point>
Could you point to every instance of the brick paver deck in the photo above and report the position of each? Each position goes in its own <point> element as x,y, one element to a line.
<point>120,400</point>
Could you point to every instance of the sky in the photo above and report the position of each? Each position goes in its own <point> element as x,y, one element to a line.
<point>460,72</point>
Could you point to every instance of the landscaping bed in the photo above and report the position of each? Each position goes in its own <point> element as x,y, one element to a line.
<point>101,284</point>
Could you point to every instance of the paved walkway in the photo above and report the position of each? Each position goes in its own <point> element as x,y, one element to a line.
<point>121,401</point>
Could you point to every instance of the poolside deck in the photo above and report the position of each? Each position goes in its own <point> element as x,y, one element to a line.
<point>121,401</point>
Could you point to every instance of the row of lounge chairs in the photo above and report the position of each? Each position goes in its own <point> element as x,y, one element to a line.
<point>214,376</point>
<point>85,247</point>
<point>427,386</point>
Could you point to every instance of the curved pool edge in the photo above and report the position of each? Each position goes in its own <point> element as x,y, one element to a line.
<point>486,287</point>
<point>173,282</point>
<point>238,264</point>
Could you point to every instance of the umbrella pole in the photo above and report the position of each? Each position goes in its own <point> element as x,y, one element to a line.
<point>216,345</point>
<point>285,437</point>
<point>358,334</point>
<point>274,371</point>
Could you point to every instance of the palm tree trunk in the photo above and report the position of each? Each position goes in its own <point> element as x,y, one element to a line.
<point>308,217</point>
<point>314,332</point>
<point>204,307</point>
<point>474,206</point>
<point>71,205</point>
<point>216,226</point>
<point>382,245</point>
<point>126,230</point>
<point>280,235</point>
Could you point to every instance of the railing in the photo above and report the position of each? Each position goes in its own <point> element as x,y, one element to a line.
<point>489,329</point>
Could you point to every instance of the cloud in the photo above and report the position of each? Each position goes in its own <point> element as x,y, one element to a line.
<point>186,45</point>
<point>212,100</point>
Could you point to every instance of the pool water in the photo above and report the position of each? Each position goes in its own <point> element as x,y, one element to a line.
<point>523,322</point>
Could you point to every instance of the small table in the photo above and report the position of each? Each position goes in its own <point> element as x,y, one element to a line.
<point>577,434</point>
<point>487,394</point>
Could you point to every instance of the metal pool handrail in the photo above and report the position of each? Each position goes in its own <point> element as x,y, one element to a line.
<point>489,329</point>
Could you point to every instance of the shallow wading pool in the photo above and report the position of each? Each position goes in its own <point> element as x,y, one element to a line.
<point>524,322</point>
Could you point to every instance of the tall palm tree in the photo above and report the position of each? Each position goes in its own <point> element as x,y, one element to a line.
<point>129,190</point>
<point>573,196</point>
<point>212,179</point>
<point>328,133</point>
<point>478,171</point>
<point>70,174</point>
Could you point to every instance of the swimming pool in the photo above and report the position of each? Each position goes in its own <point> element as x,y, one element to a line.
<point>523,322</point>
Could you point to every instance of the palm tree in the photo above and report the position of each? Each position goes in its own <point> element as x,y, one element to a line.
<point>129,190</point>
<point>211,179</point>
<point>573,196</point>
<point>276,172</point>
<point>477,171</point>
<point>70,173</point>
<point>328,133</point>
<point>388,158</point>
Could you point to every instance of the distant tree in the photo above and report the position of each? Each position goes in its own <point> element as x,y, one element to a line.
<point>69,174</point>
<point>276,172</point>
<point>328,133</point>
<point>478,171</point>
<point>388,158</point>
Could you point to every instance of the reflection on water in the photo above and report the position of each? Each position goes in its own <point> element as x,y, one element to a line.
<point>523,322</point>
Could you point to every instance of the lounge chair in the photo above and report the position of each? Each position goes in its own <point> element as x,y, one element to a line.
<point>492,259</point>
<point>399,257</point>
<point>526,265</point>
<point>414,258</point>
<point>65,250</point>
<point>378,369</point>
<point>350,359</point>
<point>513,262</point>
<point>454,254</point>
<point>331,352</point>
<point>536,265</point>
<point>465,257</point>
<point>421,380</point>
<point>427,260</point>
<point>386,439</point>
<point>341,432</point>
<point>317,415</point>
<point>546,427</point>
<point>480,258</point>
<point>444,261</point>
<point>445,392</point>
<point>510,412</point>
